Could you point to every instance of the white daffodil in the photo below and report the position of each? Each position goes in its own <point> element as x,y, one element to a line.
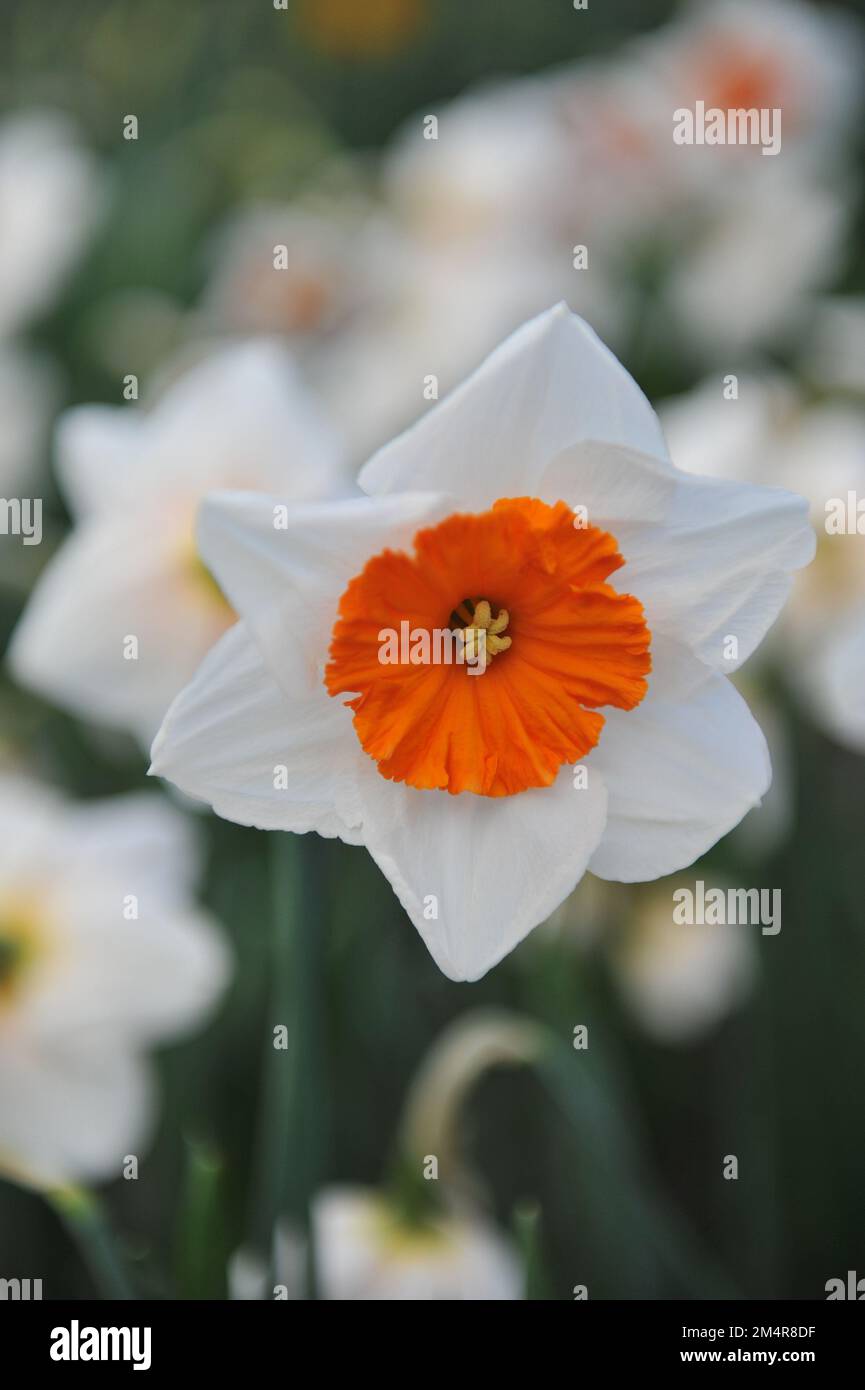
<point>305,269</point>
<point>483,173</point>
<point>782,55</point>
<point>102,955</point>
<point>769,432</point>
<point>536,505</point>
<point>125,612</point>
<point>50,198</point>
<point>382,374</point>
<point>729,288</point>
<point>365,1250</point>
<point>702,221</point>
<point>681,980</point>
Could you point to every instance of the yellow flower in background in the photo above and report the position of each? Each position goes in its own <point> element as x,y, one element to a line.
<point>375,29</point>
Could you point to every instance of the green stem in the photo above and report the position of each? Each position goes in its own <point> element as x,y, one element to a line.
<point>200,1240</point>
<point>293,1139</point>
<point>85,1220</point>
<point>527,1228</point>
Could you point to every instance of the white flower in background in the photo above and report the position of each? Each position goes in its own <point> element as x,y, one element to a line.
<point>702,224</point>
<point>28,388</point>
<point>86,987</point>
<point>618,174</point>
<point>365,1250</point>
<point>490,211</point>
<point>784,54</point>
<point>679,981</point>
<point>307,269</point>
<point>486,178</point>
<point>380,377</point>
<point>770,434</point>
<point>50,199</point>
<point>125,612</point>
<point>730,288</point>
<point>704,232</point>
<point>376,301</point>
<point>463,788</point>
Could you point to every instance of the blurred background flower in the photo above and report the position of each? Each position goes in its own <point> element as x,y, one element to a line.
<point>242,246</point>
<point>125,611</point>
<point>102,954</point>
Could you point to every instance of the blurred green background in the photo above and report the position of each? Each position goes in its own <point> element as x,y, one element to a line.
<point>232,108</point>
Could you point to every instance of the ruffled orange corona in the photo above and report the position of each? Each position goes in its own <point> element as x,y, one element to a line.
<point>560,642</point>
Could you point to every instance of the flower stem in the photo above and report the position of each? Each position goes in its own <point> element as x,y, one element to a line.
<point>84,1218</point>
<point>200,1259</point>
<point>293,1139</point>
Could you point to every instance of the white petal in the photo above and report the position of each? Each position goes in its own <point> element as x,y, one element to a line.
<point>125,982</point>
<point>835,683</point>
<point>31,820</point>
<point>615,485</point>
<point>229,731</point>
<point>286,582</point>
<point>141,837</point>
<point>734,290</point>
<point>51,194</point>
<point>492,867</point>
<point>98,449</point>
<point>71,1114</point>
<point>681,769</point>
<point>681,980</point>
<point>720,565</point>
<point>549,386</point>
<point>115,578</point>
<point>364,1254</point>
<point>241,417</point>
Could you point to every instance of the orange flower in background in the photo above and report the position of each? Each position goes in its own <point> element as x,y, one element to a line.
<point>373,29</point>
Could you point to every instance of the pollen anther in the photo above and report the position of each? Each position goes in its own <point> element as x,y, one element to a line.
<point>482,621</point>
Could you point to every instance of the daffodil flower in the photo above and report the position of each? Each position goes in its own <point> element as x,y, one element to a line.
<point>124,613</point>
<point>773,433</point>
<point>51,198</point>
<point>605,736</point>
<point>367,1251</point>
<point>103,954</point>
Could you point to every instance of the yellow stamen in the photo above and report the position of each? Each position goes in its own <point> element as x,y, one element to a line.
<point>21,942</point>
<point>483,614</point>
<point>482,621</point>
